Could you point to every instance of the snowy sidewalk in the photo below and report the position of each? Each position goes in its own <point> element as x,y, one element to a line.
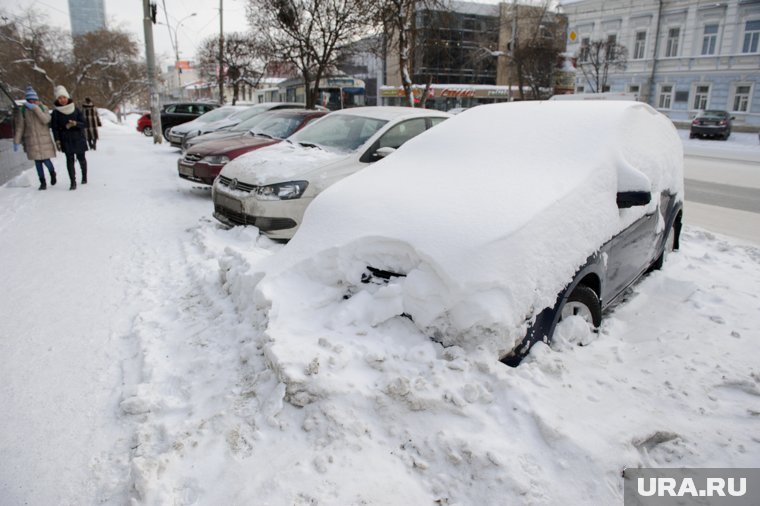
<point>76,269</point>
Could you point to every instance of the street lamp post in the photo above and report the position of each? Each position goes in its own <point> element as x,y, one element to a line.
<point>175,44</point>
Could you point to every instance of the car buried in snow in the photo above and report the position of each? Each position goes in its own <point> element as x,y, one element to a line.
<point>491,228</point>
<point>270,188</point>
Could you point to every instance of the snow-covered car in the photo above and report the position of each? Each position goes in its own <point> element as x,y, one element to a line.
<point>490,228</point>
<point>199,133</point>
<point>210,120</point>
<point>271,187</point>
<point>203,162</point>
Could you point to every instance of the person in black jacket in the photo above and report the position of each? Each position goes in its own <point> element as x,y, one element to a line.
<point>68,127</point>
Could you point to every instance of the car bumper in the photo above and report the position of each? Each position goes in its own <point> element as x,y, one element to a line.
<point>709,130</point>
<point>278,219</point>
<point>175,139</point>
<point>198,172</point>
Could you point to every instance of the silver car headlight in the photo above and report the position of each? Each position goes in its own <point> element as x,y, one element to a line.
<point>281,191</point>
<point>215,159</point>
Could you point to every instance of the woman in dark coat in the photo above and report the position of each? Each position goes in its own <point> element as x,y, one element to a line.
<point>68,131</point>
<point>92,120</point>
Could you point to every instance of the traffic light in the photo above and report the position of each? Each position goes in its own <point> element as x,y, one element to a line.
<point>153,10</point>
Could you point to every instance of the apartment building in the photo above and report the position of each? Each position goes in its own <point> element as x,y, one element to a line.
<point>683,55</point>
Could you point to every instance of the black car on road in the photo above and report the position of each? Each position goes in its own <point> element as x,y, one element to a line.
<point>711,123</point>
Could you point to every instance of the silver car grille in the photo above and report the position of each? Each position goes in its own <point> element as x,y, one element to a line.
<point>234,184</point>
<point>192,158</point>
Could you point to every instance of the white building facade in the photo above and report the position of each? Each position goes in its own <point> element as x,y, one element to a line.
<point>683,55</point>
<point>87,16</point>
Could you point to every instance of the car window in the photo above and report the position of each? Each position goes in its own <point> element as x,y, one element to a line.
<point>248,124</point>
<point>171,108</point>
<point>436,121</point>
<point>278,126</point>
<point>401,133</point>
<point>215,115</point>
<point>182,109</point>
<point>339,132</point>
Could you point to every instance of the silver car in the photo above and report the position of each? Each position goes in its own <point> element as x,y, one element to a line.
<point>272,187</point>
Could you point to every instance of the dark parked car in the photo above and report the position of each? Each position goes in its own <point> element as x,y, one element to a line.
<point>182,112</point>
<point>711,123</point>
<point>203,162</point>
<point>489,229</point>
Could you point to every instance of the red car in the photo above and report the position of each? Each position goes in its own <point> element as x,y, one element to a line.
<point>144,125</point>
<point>203,162</point>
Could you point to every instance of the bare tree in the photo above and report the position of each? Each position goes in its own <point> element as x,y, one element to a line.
<point>102,65</point>
<point>244,58</point>
<point>597,59</point>
<point>106,68</point>
<point>535,36</point>
<point>307,33</point>
<point>31,52</point>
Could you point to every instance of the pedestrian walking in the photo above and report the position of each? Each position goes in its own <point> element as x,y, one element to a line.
<point>93,122</point>
<point>33,132</point>
<point>68,127</point>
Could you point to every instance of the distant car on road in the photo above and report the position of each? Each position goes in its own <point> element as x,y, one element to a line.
<point>712,123</point>
<point>203,162</point>
<point>271,188</point>
<point>182,112</point>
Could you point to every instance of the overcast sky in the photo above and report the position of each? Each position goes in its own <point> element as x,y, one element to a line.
<point>127,15</point>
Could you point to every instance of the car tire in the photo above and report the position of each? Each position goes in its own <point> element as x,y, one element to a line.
<point>148,132</point>
<point>691,136</point>
<point>166,133</point>
<point>583,302</point>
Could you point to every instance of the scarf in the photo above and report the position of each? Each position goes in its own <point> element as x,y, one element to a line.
<point>65,109</point>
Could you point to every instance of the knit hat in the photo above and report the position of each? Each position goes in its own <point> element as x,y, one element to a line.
<point>31,94</point>
<point>60,91</point>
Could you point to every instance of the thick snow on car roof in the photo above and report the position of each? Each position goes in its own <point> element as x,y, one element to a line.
<point>491,213</point>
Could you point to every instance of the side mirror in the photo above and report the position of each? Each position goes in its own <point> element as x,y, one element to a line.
<point>633,198</point>
<point>383,152</point>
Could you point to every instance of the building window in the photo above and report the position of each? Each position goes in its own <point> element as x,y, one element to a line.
<point>635,89</point>
<point>674,34</point>
<point>742,92</point>
<point>666,96</point>
<point>639,45</point>
<point>583,53</point>
<point>579,89</point>
<point>701,92</point>
<point>751,36</point>
<point>709,39</point>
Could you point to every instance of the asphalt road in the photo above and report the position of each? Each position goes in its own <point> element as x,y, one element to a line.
<point>723,193</point>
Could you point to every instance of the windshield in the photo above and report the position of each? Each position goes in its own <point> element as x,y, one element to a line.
<point>715,114</point>
<point>249,112</point>
<point>339,132</point>
<point>216,114</point>
<point>246,125</point>
<point>277,126</point>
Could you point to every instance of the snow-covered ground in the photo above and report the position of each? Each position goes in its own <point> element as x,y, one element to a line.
<point>139,367</point>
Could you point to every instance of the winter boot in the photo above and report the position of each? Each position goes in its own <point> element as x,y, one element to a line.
<point>84,175</point>
<point>43,184</point>
<point>53,178</point>
<point>73,185</point>
<point>72,178</point>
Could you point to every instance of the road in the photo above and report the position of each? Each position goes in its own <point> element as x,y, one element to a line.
<point>723,193</point>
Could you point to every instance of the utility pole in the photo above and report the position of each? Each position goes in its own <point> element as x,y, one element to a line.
<point>149,17</point>
<point>221,54</point>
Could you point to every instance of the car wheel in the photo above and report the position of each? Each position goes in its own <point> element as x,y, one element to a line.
<point>147,131</point>
<point>691,136</point>
<point>166,133</point>
<point>585,303</point>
